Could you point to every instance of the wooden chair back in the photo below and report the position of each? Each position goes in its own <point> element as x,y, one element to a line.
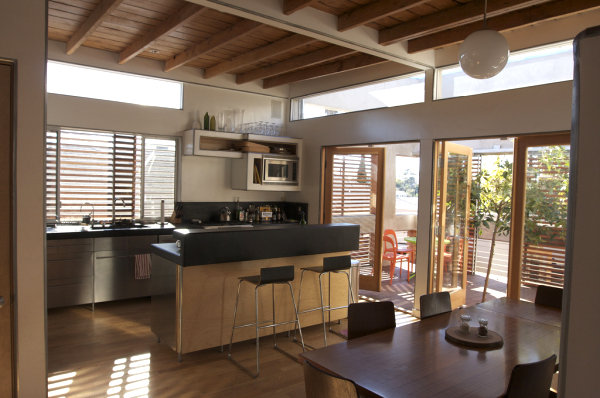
<point>320,384</point>
<point>370,317</point>
<point>434,304</point>
<point>531,380</point>
<point>550,296</point>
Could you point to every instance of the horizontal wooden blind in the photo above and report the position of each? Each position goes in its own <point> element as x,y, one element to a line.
<point>352,185</point>
<point>51,176</point>
<point>544,254</point>
<point>104,172</point>
<point>96,168</point>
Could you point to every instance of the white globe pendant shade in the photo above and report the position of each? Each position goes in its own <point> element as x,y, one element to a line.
<point>483,54</point>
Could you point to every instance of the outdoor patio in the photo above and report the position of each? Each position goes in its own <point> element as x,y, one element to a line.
<point>401,292</point>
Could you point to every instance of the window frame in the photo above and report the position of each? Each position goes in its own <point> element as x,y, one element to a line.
<point>143,136</point>
<point>117,72</point>
<point>296,103</point>
<point>437,75</point>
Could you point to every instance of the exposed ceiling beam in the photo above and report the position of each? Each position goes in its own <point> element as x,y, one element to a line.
<point>528,16</point>
<point>184,14</point>
<point>358,61</point>
<point>373,11</point>
<point>321,26</point>
<point>212,43</point>
<point>94,20</point>
<point>451,18</point>
<point>291,6</point>
<point>270,50</point>
<point>301,61</point>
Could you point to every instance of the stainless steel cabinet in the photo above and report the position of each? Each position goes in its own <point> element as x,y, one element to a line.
<point>70,272</point>
<point>114,265</point>
<point>93,270</point>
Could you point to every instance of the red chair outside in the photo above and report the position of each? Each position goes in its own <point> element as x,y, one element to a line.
<point>391,253</point>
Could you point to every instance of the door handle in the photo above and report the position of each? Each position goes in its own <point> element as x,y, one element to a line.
<point>1,301</point>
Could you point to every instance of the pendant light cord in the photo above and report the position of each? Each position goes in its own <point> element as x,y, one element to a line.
<point>485,13</point>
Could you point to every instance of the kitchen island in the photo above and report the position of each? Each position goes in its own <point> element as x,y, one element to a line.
<point>203,272</point>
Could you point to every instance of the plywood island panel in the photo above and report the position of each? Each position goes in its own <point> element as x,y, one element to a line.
<point>198,313</point>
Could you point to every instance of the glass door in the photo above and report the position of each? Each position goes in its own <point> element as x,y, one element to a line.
<point>452,191</point>
<point>539,219</point>
<point>353,193</point>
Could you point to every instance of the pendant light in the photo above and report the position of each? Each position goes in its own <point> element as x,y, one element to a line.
<point>484,53</point>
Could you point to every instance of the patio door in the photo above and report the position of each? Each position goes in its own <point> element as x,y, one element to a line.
<point>452,197</point>
<point>353,193</point>
<point>539,213</point>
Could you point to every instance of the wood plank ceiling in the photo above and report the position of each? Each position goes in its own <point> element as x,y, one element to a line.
<point>179,33</point>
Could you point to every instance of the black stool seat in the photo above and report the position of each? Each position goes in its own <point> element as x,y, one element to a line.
<point>282,274</point>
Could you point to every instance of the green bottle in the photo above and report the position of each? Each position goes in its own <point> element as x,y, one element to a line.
<point>206,121</point>
<point>213,123</point>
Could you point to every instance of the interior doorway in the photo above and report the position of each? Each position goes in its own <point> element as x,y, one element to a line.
<point>380,193</point>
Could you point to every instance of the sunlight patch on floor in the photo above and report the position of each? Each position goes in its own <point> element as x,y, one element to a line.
<point>58,384</point>
<point>130,377</point>
<point>491,292</point>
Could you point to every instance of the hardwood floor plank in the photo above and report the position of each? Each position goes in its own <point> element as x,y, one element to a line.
<point>93,345</point>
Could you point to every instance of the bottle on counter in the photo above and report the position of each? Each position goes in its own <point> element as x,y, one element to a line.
<point>206,121</point>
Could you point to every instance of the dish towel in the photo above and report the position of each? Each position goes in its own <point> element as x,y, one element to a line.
<point>143,266</point>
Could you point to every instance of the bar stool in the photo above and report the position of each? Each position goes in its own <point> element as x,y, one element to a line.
<point>338,264</point>
<point>268,276</point>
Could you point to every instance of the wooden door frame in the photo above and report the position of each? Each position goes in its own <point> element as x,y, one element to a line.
<point>7,115</point>
<point>521,145</point>
<point>445,147</point>
<point>326,197</point>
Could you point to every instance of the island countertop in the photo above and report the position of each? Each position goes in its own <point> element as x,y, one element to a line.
<point>231,243</point>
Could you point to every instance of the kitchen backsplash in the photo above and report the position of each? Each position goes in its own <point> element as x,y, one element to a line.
<point>209,212</point>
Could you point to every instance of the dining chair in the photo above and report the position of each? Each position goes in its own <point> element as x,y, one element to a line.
<point>549,296</point>
<point>320,384</point>
<point>391,254</point>
<point>435,304</point>
<point>531,380</point>
<point>370,317</point>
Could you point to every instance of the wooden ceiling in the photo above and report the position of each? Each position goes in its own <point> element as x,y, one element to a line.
<point>201,34</point>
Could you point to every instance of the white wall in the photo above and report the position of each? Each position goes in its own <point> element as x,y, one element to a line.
<point>580,347</point>
<point>203,178</point>
<point>22,37</point>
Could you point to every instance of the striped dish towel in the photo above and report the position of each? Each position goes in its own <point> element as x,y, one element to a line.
<point>143,266</point>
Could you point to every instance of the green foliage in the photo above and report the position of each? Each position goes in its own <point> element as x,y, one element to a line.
<point>547,195</point>
<point>408,184</point>
<point>491,195</point>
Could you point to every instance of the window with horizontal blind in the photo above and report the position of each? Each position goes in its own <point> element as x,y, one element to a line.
<point>112,175</point>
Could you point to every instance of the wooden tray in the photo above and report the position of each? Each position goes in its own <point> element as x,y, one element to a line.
<point>249,146</point>
<point>472,339</point>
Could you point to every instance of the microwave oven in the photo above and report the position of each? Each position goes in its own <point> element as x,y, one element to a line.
<point>280,170</point>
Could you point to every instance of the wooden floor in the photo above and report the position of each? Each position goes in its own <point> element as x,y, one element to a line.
<point>111,352</point>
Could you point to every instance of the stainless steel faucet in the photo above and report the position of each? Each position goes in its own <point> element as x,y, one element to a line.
<point>113,209</point>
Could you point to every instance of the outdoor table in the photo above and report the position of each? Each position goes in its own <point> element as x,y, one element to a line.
<point>415,360</point>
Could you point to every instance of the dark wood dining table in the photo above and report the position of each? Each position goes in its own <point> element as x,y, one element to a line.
<point>416,360</point>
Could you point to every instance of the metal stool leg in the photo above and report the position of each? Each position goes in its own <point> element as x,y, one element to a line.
<point>299,297</point>
<point>237,298</point>
<point>274,327</point>
<point>296,312</point>
<point>257,330</point>
<point>323,309</point>
<point>351,292</point>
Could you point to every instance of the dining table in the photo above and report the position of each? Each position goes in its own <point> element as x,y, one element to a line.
<point>416,360</point>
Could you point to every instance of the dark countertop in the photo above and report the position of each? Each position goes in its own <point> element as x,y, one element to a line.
<point>218,244</point>
<point>81,232</point>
